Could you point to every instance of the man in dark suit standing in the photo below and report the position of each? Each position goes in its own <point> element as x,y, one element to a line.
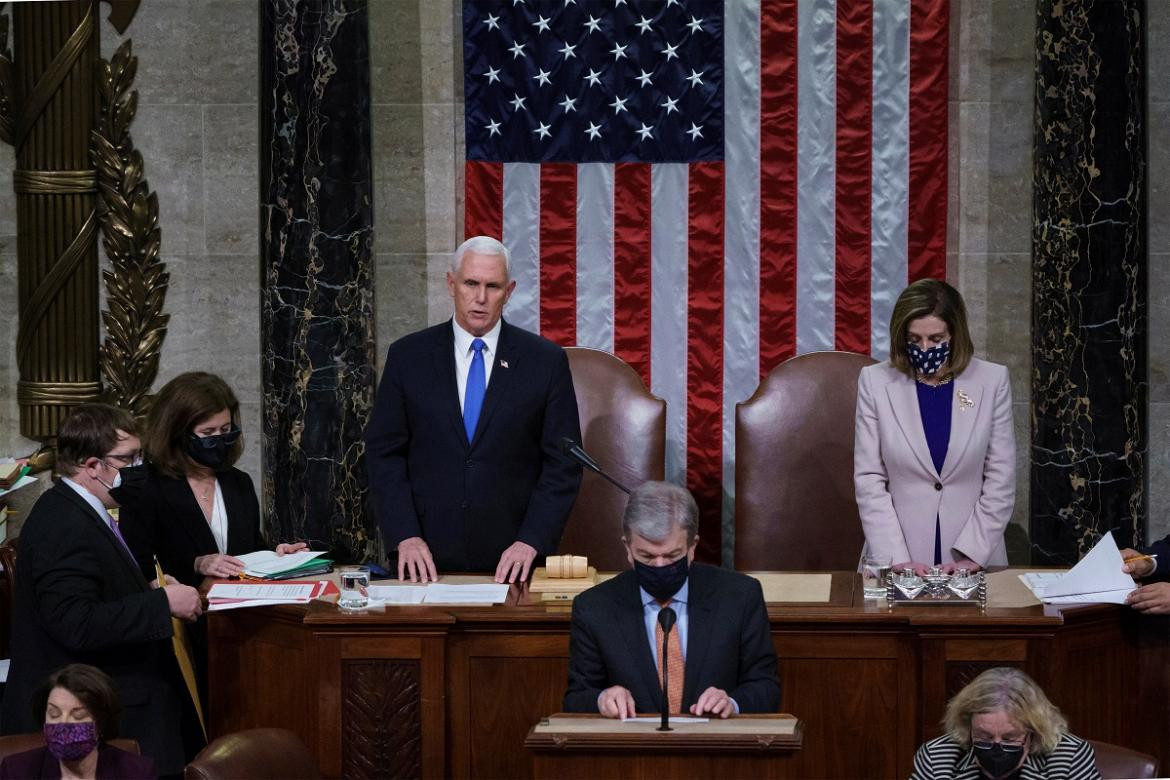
<point>720,655</point>
<point>463,447</point>
<point>81,598</point>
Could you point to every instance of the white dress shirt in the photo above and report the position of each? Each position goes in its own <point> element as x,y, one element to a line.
<point>219,520</point>
<point>464,353</point>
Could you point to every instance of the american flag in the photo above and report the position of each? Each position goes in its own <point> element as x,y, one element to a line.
<point>708,188</point>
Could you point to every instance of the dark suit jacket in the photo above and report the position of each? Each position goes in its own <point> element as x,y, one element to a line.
<point>470,501</point>
<point>113,764</point>
<point>169,523</point>
<point>729,643</point>
<point>80,597</point>
<point>1161,548</point>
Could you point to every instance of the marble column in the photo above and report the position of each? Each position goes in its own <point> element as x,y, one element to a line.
<point>317,294</point>
<point>1089,382</point>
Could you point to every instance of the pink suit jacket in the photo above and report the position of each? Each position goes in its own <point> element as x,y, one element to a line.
<point>899,493</point>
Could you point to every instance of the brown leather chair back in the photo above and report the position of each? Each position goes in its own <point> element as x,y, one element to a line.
<point>1115,762</point>
<point>258,754</point>
<point>624,428</point>
<point>12,744</point>
<point>795,507</point>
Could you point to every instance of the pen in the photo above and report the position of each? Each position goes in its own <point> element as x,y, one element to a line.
<point>1141,558</point>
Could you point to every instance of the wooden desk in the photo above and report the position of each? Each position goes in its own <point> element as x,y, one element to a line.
<point>436,692</point>
<point>566,746</point>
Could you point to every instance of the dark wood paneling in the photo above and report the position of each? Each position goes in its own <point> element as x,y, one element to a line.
<point>509,695</point>
<point>381,719</point>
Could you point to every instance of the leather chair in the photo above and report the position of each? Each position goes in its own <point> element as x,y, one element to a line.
<point>1115,762</point>
<point>623,427</point>
<point>258,754</point>
<point>795,508</point>
<point>11,744</point>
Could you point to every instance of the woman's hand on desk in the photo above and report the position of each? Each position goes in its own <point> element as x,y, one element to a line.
<point>219,565</point>
<point>1151,599</point>
<point>285,549</point>
<point>962,563</point>
<point>919,568</point>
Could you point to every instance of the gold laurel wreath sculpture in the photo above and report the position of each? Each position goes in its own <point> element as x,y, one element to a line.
<point>136,282</point>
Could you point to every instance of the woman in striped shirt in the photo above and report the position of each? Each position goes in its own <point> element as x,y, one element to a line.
<point>1001,726</point>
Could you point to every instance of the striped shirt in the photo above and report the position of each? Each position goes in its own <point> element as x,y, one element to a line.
<point>945,759</point>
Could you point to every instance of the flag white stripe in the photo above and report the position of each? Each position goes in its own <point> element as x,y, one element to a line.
<point>891,166</point>
<point>816,166</point>
<point>669,219</point>
<point>522,237</point>
<point>741,269</point>
<point>595,256</point>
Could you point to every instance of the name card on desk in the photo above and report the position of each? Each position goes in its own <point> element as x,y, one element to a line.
<point>793,587</point>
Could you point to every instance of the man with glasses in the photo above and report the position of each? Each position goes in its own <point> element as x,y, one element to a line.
<point>81,598</point>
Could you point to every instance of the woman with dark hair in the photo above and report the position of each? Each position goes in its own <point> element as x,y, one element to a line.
<point>80,713</point>
<point>934,456</point>
<point>198,511</point>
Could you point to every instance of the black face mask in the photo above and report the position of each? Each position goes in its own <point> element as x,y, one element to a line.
<point>212,451</point>
<point>995,761</point>
<point>662,582</point>
<point>131,485</point>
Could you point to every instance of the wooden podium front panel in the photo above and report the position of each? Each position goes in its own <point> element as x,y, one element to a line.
<point>849,689</point>
<point>502,683</point>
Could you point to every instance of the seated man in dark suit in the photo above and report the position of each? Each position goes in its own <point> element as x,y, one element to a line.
<point>721,643</point>
<point>80,596</point>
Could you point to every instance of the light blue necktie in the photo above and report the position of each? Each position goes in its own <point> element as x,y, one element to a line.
<point>473,397</point>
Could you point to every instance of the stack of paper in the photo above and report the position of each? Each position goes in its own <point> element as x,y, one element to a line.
<point>267,565</point>
<point>1097,579</point>
<point>437,593</point>
<point>225,595</point>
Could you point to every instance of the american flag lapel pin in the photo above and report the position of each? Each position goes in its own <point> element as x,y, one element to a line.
<point>503,363</point>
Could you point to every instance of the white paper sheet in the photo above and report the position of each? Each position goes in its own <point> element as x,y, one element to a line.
<point>263,562</point>
<point>674,721</point>
<point>18,484</point>
<point>398,594</point>
<point>219,606</point>
<point>437,593</point>
<point>262,592</point>
<point>1096,579</point>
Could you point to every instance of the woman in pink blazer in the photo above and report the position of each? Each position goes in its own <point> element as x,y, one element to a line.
<point>934,451</point>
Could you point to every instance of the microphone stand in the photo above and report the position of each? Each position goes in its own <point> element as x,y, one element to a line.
<point>666,618</point>
<point>572,449</point>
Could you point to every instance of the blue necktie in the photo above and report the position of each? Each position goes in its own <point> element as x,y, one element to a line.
<point>473,397</point>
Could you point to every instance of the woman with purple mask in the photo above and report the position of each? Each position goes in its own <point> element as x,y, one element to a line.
<point>80,710</point>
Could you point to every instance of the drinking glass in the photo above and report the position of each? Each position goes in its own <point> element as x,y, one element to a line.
<point>355,587</point>
<point>874,569</point>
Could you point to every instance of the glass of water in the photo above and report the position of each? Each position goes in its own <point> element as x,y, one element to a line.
<point>355,587</point>
<point>874,569</point>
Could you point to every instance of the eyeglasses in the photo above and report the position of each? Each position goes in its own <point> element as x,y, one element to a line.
<point>132,459</point>
<point>1008,747</point>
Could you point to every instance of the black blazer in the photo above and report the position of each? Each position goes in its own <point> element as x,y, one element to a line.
<point>470,501</point>
<point>1161,548</point>
<point>80,598</point>
<point>169,523</point>
<point>729,643</point>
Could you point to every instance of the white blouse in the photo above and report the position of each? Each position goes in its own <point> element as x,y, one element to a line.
<point>219,520</point>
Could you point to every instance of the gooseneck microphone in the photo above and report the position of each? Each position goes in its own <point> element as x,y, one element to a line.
<point>573,450</point>
<point>666,619</point>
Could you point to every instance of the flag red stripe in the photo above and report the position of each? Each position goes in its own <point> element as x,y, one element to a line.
<point>927,230</point>
<point>778,113</point>
<point>483,209</point>
<point>854,169</point>
<point>705,351</point>
<point>631,266</point>
<point>558,252</point>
